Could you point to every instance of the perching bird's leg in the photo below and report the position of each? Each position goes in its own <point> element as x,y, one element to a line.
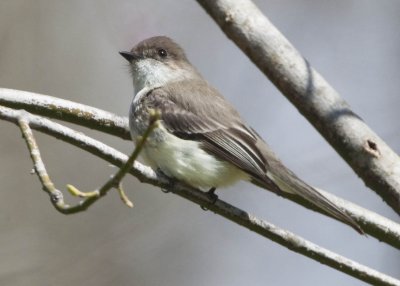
<point>212,196</point>
<point>161,173</point>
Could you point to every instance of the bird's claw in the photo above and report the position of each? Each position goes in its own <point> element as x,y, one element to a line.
<point>212,197</point>
<point>171,183</point>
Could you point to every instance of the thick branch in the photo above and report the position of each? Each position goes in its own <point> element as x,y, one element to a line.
<point>369,156</point>
<point>66,110</point>
<point>226,210</point>
<point>373,224</point>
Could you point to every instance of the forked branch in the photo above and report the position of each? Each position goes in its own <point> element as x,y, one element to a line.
<point>56,196</point>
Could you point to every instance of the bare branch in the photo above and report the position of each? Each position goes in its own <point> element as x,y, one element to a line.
<point>77,193</point>
<point>115,181</point>
<point>123,196</point>
<point>369,156</point>
<point>222,208</point>
<point>66,110</point>
<point>56,195</point>
<point>373,224</point>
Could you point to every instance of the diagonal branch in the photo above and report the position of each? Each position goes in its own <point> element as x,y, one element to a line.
<point>56,196</point>
<point>224,209</point>
<point>369,156</point>
<point>373,224</point>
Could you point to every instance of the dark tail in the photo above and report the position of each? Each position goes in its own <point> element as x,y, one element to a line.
<point>288,182</point>
<point>277,178</point>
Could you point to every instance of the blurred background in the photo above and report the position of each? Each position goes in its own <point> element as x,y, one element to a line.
<point>69,49</point>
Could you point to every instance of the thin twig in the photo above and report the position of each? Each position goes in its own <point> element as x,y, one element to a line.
<point>56,195</point>
<point>115,181</point>
<point>373,224</point>
<point>224,209</point>
<point>123,196</point>
<point>367,154</point>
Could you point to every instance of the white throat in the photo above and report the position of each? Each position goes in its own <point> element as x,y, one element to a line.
<point>150,73</point>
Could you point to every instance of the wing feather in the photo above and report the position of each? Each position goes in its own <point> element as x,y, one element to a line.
<point>230,140</point>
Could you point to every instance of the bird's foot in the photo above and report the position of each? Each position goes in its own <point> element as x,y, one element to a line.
<point>212,197</point>
<point>171,182</point>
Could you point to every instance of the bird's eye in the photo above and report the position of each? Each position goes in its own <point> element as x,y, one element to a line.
<point>162,53</point>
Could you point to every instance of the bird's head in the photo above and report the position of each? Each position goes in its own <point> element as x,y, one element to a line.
<point>157,61</point>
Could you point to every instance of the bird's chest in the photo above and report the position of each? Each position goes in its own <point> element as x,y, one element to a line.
<point>160,147</point>
<point>139,118</point>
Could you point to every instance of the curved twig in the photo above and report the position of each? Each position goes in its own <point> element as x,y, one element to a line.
<point>56,196</point>
<point>367,154</point>
<point>115,180</point>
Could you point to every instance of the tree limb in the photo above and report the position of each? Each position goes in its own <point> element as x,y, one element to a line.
<point>373,224</point>
<point>66,110</point>
<point>266,229</point>
<point>367,154</point>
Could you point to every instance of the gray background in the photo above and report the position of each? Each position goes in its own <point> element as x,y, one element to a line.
<point>69,49</point>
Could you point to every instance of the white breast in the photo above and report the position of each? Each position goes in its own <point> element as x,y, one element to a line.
<point>186,161</point>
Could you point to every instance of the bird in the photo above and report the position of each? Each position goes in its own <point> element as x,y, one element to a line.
<point>201,139</point>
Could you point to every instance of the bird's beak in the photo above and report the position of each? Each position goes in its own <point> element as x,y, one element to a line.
<point>129,56</point>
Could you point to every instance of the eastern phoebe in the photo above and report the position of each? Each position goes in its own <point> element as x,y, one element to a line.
<point>201,139</point>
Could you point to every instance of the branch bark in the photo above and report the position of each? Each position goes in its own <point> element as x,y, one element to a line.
<point>266,229</point>
<point>373,224</point>
<point>367,154</point>
<point>66,110</point>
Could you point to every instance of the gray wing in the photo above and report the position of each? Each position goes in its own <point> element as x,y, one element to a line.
<point>229,140</point>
